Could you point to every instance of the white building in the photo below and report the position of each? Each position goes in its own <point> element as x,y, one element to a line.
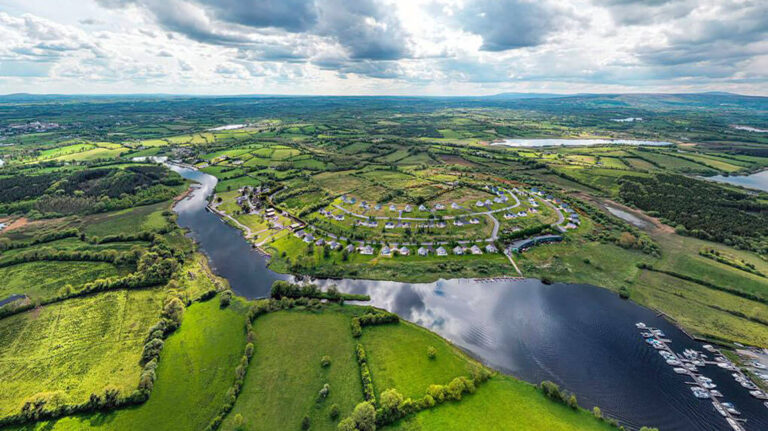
<point>441,251</point>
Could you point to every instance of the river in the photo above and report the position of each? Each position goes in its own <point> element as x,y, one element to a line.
<point>581,337</point>
<point>757,181</point>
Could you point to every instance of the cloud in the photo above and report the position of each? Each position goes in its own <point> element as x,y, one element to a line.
<point>631,12</point>
<point>511,24</point>
<point>290,15</point>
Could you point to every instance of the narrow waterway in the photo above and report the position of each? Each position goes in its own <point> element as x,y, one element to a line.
<point>579,336</point>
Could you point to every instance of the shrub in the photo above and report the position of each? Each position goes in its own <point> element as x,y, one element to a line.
<point>427,402</point>
<point>357,330</point>
<point>431,352</point>
<point>151,350</point>
<point>249,350</point>
<point>325,361</point>
<point>305,423</point>
<point>238,422</point>
<point>347,424</point>
<point>323,394</point>
<point>225,298</point>
<point>364,417</point>
<point>334,411</point>
<point>596,412</point>
<point>572,403</point>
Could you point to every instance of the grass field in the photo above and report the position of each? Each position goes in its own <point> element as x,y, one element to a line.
<point>196,369</point>
<point>398,359</point>
<point>285,375</point>
<point>502,404</point>
<point>131,220</point>
<point>41,280</point>
<point>75,347</point>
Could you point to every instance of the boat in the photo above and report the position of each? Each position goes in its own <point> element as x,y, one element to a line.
<point>716,393</point>
<point>719,409</point>
<point>679,370</point>
<point>760,395</point>
<point>757,365</point>
<point>765,404</point>
<point>708,385</point>
<point>691,367</point>
<point>731,409</point>
<point>749,385</point>
<point>646,334</point>
<point>673,362</point>
<point>700,392</point>
<point>640,325</point>
<point>709,348</point>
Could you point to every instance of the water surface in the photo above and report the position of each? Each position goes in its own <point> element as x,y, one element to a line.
<point>758,181</point>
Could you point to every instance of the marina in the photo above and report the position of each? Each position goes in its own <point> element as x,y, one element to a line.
<point>703,387</point>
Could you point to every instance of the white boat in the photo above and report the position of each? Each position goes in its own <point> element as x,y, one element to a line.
<point>640,325</point>
<point>679,370</point>
<point>760,395</point>
<point>699,392</point>
<point>708,385</point>
<point>716,393</point>
<point>731,409</point>
<point>673,362</point>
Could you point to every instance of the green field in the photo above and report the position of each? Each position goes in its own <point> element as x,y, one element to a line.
<point>500,404</point>
<point>76,347</point>
<point>41,280</point>
<point>196,369</point>
<point>283,381</point>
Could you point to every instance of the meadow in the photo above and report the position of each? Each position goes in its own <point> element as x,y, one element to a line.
<point>76,347</point>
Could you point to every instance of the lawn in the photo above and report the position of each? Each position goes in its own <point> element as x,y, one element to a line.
<point>75,347</point>
<point>196,369</point>
<point>285,375</point>
<point>502,403</point>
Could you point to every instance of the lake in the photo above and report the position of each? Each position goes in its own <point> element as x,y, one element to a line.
<point>758,181</point>
<point>575,142</point>
<point>581,337</point>
<point>627,216</point>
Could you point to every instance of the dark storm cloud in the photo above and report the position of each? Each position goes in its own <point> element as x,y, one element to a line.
<point>632,12</point>
<point>510,24</point>
<point>291,15</point>
<point>364,28</point>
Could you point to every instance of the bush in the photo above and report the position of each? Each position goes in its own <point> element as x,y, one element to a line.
<point>334,411</point>
<point>238,422</point>
<point>597,413</point>
<point>357,330</point>
<point>225,298</point>
<point>325,361</point>
<point>305,423</point>
<point>431,352</point>
<point>390,401</point>
<point>323,394</point>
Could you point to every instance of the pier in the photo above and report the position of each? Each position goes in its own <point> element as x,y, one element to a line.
<point>662,344</point>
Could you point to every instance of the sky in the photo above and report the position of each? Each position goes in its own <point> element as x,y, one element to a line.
<point>377,47</point>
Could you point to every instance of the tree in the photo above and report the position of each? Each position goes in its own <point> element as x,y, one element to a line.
<point>597,412</point>
<point>347,424</point>
<point>390,401</point>
<point>334,411</point>
<point>238,422</point>
<point>305,423</point>
<point>364,417</point>
<point>431,352</point>
<point>174,312</point>
<point>325,361</point>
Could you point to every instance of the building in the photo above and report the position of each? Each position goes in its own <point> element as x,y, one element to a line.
<point>441,251</point>
<point>423,208</point>
<point>521,245</point>
<point>474,221</point>
<point>299,234</point>
<point>458,223</point>
<point>404,251</point>
<point>455,206</point>
<point>490,248</point>
<point>334,245</point>
<point>320,242</point>
<point>458,250</point>
<point>389,225</point>
<point>350,248</point>
<point>339,217</point>
<point>439,207</point>
<point>480,203</point>
<point>308,238</point>
<point>386,251</point>
<point>393,207</point>
<point>368,250</point>
<point>422,251</point>
<point>476,250</point>
<point>407,208</point>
